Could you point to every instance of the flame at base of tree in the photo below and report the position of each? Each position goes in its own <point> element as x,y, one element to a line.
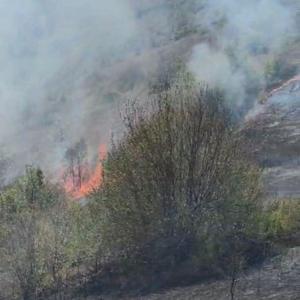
<point>80,180</point>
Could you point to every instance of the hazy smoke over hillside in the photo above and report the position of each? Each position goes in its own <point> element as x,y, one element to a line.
<point>41,38</point>
<point>44,46</point>
<point>245,31</point>
<point>51,50</point>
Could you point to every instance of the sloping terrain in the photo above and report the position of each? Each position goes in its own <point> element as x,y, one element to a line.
<point>274,128</point>
<point>276,279</point>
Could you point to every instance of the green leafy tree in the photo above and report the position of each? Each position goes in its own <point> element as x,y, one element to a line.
<point>24,214</point>
<point>178,184</point>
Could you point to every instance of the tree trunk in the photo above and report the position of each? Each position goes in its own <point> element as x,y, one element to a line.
<point>232,287</point>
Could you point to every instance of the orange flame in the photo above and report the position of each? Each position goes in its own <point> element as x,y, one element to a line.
<point>92,181</point>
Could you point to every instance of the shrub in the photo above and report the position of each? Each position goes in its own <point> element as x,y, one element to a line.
<point>43,238</point>
<point>24,221</point>
<point>177,186</point>
<point>282,219</point>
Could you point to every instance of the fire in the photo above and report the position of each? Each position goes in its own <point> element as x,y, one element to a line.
<point>89,181</point>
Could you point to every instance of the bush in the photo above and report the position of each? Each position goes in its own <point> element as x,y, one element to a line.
<point>282,219</point>
<point>24,221</point>
<point>177,187</point>
<point>43,238</point>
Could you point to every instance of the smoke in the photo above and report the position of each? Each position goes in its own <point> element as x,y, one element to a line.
<point>40,38</point>
<point>65,65</point>
<point>47,49</point>
<point>246,34</point>
<point>215,68</point>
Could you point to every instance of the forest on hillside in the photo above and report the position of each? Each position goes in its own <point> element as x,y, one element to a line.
<point>137,141</point>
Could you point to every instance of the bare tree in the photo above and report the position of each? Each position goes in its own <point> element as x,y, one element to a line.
<point>75,157</point>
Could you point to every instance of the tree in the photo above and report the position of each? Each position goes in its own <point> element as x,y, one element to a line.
<point>171,183</point>
<point>44,238</point>
<point>23,216</point>
<point>76,163</point>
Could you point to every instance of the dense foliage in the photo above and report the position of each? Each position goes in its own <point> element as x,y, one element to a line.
<point>178,189</point>
<point>44,238</point>
<point>180,200</point>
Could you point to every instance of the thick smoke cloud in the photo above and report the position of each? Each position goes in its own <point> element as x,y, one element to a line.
<point>63,63</point>
<point>45,45</point>
<point>246,33</point>
<point>40,38</point>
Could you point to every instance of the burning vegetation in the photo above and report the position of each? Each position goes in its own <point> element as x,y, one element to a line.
<point>180,196</point>
<point>177,198</point>
<point>80,178</point>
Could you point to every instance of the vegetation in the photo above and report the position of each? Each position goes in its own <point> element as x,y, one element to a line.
<point>180,201</point>
<point>178,190</point>
<point>282,220</point>
<point>41,241</point>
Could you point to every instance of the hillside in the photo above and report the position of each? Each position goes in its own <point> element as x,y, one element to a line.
<point>274,129</point>
<point>275,280</point>
<point>150,150</point>
<point>274,126</point>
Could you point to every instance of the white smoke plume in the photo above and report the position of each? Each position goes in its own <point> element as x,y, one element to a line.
<point>39,39</point>
<point>246,33</point>
<point>64,63</point>
<point>47,47</point>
